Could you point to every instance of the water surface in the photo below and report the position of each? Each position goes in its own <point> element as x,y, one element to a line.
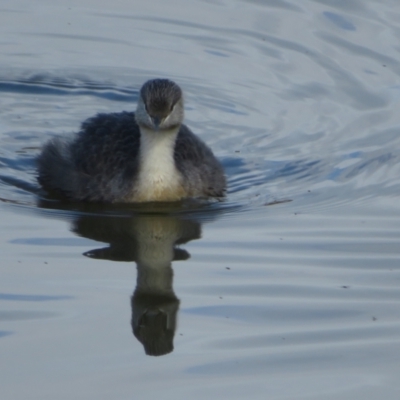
<point>289,289</point>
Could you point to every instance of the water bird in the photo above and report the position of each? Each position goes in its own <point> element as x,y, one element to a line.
<point>144,156</point>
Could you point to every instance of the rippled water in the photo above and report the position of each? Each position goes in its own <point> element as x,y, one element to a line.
<point>289,289</point>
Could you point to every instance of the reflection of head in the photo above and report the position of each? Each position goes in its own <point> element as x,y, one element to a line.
<point>150,241</point>
<point>154,322</point>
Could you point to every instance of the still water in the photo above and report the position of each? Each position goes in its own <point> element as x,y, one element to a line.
<point>289,289</point>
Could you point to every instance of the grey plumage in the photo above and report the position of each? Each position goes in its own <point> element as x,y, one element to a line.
<point>104,161</point>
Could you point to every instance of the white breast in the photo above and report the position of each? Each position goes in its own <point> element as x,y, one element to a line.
<point>158,180</point>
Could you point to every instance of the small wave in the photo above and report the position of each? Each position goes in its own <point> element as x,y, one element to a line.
<point>43,84</point>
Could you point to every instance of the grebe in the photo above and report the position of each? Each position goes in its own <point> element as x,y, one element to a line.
<point>146,156</point>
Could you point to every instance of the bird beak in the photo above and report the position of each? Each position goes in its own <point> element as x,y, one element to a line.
<point>156,121</point>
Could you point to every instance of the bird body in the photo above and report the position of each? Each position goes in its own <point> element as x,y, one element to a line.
<point>149,155</point>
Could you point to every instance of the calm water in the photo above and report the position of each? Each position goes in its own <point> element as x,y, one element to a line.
<point>287,290</point>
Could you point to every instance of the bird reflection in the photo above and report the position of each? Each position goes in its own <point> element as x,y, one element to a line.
<point>152,242</point>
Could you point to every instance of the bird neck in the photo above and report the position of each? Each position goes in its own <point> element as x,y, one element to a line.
<point>157,149</point>
<point>159,179</point>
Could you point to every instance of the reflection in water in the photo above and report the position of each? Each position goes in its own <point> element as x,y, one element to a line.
<point>151,241</point>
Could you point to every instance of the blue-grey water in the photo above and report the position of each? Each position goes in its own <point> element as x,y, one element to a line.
<point>289,289</point>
